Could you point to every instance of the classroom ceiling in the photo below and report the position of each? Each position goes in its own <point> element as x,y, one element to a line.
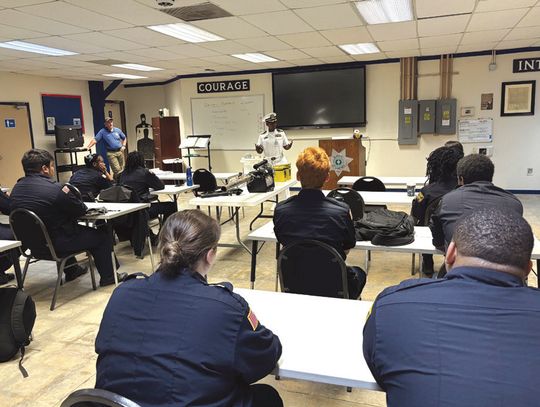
<point>295,32</point>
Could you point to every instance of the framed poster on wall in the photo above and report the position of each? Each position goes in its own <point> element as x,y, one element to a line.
<point>61,110</point>
<point>517,98</point>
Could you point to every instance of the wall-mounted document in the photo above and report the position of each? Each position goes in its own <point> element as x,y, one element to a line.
<point>475,130</point>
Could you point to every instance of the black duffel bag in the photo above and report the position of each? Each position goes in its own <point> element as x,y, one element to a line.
<point>384,227</point>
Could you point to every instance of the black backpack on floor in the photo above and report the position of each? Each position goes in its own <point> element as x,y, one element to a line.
<point>385,228</point>
<point>17,317</point>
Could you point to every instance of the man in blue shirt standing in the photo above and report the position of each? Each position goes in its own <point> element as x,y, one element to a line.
<point>115,142</point>
<point>469,339</point>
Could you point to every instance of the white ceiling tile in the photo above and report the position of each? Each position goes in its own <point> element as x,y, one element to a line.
<point>155,53</point>
<point>483,46</point>
<point>8,33</point>
<point>306,62</point>
<point>305,40</point>
<point>403,53</point>
<point>398,45</point>
<point>483,36</point>
<point>440,41</point>
<point>18,19</point>
<point>531,18</point>
<point>189,50</point>
<point>351,35</point>
<point>494,5</point>
<point>277,64</point>
<point>279,22</point>
<point>310,3</point>
<point>60,11</point>
<point>517,44</point>
<point>287,54</point>
<point>220,59</point>
<point>438,50</point>
<point>145,36</point>
<point>227,47</point>
<point>337,60</point>
<point>243,7</point>
<point>71,45</point>
<point>19,3</point>
<point>121,56</point>
<point>393,31</point>
<point>368,57</point>
<point>267,43</point>
<point>432,8</point>
<point>495,19</point>
<point>63,61</point>
<point>129,11</point>
<point>331,51</point>
<point>102,40</point>
<point>330,17</point>
<point>442,25</point>
<point>524,33</point>
<point>230,28</point>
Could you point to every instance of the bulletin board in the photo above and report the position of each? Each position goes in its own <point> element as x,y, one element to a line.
<point>61,110</point>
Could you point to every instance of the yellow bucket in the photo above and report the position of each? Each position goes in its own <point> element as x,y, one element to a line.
<point>282,173</point>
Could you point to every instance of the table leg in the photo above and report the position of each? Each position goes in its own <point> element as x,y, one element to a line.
<point>413,265</point>
<point>537,278</point>
<point>237,222</point>
<point>277,273</point>
<point>254,246</point>
<point>149,241</point>
<point>16,267</point>
<point>113,256</point>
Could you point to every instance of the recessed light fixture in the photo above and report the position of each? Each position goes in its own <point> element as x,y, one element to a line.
<point>186,32</point>
<point>124,76</point>
<point>38,49</point>
<point>385,11</point>
<point>138,67</point>
<point>255,57</point>
<point>358,49</point>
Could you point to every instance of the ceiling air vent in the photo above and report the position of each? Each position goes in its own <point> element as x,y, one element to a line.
<point>107,62</point>
<point>203,11</point>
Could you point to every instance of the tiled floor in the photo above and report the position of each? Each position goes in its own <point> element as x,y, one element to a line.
<point>61,358</point>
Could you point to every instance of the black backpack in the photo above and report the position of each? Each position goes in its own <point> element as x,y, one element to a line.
<point>385,228</point>
<point>116,193</point>
<point>17,317</point>
<point>205,179</point>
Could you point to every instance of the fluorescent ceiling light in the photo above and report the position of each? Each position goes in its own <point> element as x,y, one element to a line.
<point>186,32</point>
<point>255,57</point>
<point>38,49</point>
<point>358,49</point>
<point>124,76</point>
<point>385,11</point>
<point>137,67</point>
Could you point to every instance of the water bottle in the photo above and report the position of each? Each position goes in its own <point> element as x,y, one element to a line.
<point>189,177</point>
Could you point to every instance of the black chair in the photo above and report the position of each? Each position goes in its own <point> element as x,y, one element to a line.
<point>313,268</point>
<point>351,198</point>
<point>370,184</point>
<point>37,245</point>
<point>96,398</point>
<point>206,181</point>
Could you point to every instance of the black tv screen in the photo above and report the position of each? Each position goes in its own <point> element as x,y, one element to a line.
<point>68,136</point>
<point>320,99</point>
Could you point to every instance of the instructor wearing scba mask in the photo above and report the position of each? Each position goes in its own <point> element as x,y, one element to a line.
<point>115,142</point>
<point>273,141</point>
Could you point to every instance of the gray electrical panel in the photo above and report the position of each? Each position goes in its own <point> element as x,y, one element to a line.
<point>408,122</point>
<point>446,116</point>
<point>426,116</point>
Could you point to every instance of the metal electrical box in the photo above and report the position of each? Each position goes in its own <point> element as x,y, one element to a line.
<point>408,122</point>
<point>426,116</point>
<point>446,116</point>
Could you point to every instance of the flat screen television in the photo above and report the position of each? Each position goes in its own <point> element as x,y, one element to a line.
<point>68,136</point>
<point>320,98</point>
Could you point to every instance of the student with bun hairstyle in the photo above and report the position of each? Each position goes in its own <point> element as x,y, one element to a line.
<point>173,339</point>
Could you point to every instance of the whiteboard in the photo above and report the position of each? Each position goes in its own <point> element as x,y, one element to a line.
<point>475,130</point>
<point>233,122</point>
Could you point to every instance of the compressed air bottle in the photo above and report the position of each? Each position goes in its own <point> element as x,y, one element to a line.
<point>189,177</point>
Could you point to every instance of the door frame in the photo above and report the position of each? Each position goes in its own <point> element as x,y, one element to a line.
<point>122,113</point>
<point>29,116</point>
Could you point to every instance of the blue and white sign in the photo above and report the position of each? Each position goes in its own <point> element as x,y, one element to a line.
<point>9,123</point>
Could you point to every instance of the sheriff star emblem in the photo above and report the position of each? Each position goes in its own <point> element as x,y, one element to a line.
<point>339,161</point>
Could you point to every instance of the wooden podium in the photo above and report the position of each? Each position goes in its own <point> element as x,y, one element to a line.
<point>355,153</point>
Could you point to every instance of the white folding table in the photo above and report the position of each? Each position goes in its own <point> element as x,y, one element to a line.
<point>389,182</point>
<point>225,177</point>
<point>321,337</point>
<point>6,245</point>
<point>115,210</point>
<point>383,198</point>
<point>174,190</point>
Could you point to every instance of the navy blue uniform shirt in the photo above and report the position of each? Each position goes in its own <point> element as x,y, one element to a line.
<point>55,204</point>
<point>182,342</point>
<point>311,215</point>
<point>471,339</point>
<point>90,182</point>
<point>427,195</point>
<point>140,180</point>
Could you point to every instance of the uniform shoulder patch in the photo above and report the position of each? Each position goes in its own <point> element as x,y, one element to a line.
<point>224,285</point>
<point>65,189</point>
<point>420,197</point>
<point>253,321</point>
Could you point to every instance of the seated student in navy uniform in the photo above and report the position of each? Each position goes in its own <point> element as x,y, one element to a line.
<point>141,179</point>
<point>311,215</point>
<point>59,209</point>
<point>467,340</point>
<point>5,234</point>
<point>442,178</point>
<point>173,339</point>
<point>93,178</point>
<point>475,176</point>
